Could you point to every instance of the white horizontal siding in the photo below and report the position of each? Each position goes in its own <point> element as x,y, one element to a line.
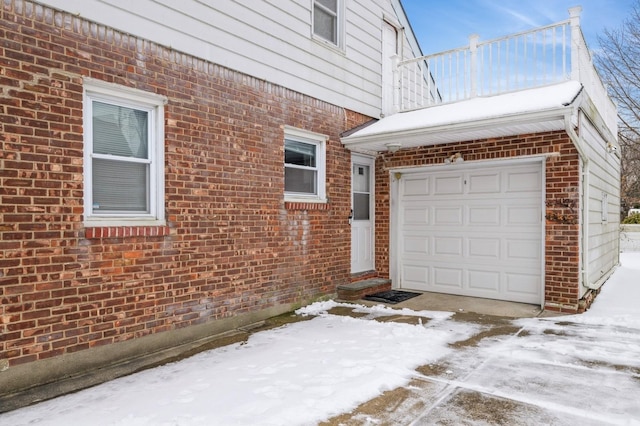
<point>603,178</point>
<point>268,39</point>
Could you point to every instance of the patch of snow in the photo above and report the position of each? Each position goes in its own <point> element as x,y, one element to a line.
<point>301,373</point>
<point>618,303</point>
<point>322,308</point>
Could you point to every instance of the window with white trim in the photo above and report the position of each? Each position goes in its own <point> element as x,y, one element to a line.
<point>304,165</point>
<point>123,155</point>
<point>327,20</point>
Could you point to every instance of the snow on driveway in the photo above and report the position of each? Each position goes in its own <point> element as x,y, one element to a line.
<point>566,370</point>
<point>297,374</point>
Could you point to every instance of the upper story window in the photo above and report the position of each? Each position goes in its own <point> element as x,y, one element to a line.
<point>123,156</point>
<point>304,165</point>
<point>327,20</point>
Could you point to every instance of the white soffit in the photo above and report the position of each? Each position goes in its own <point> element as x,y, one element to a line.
<point>527,111</point>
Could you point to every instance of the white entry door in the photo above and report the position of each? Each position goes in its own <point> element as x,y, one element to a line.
<point>473,231</point>
<point>362,213</point>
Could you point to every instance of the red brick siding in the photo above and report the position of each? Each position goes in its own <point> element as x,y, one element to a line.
<point>231,245</point>
<point>562,201</point>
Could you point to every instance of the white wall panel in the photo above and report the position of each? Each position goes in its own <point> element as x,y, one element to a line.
<point>603,241</point>
<point>267,39</point>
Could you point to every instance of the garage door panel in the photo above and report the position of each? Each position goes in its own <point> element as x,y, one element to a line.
<point>413,187</point>
<point>448,185</point>
<point>484,183</point>
<point>484,215</point>
<point>484,281</point>
<point>416,276</point>
<point>523,215</point>
<point>448,215</point>
<point>521,181</point>
<point>447,278</point>
<point>519,249</point>
<point>484,248</point>
<point>416,215</point>
<point>523,284</point>
<point>447,246</point>
<point>476,232</point>
<point>416,245</point>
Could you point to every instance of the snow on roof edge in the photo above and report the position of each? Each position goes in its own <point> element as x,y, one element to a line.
<point>552,97</point>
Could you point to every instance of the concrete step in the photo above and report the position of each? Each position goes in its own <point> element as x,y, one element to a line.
<point>358,289</point>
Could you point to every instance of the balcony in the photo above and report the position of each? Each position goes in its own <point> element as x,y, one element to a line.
<point>536,58</point>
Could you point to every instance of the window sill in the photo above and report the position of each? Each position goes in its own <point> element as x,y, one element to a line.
<point>125,231</point>
<point>329,45</point>
<point>305,205</point>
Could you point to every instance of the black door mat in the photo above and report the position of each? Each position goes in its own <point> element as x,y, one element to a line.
<point>391,296</point>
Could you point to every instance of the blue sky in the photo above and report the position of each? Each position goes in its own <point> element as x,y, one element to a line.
<point>446,24</point>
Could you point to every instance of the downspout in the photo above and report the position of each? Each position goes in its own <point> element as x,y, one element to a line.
<point>577,140</point>
<point>576,38</point>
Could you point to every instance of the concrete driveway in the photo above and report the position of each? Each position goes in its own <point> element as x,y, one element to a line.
<point>444,360</point>
<point>548,371</point>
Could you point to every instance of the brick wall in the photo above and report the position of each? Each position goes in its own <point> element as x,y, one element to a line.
<point>231,244</point>
<point>562,201</point>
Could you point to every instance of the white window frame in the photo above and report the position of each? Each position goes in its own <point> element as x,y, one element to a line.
<point>97,90</point>
<point>320,141</point>
<point>340,19</point>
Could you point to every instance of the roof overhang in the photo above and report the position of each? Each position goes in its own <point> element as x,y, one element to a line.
<point>529,111</point>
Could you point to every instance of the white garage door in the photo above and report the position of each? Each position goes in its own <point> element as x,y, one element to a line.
<point>473,232</point>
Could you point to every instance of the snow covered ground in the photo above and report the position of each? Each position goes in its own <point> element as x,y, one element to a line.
<point>582,369</point>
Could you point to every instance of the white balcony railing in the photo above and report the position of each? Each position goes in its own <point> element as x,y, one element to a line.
<point>529,59</point>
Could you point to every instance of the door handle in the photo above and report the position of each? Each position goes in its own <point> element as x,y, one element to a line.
<point>351,217</point>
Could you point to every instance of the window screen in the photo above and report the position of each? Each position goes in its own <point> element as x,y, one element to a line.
<point>120,161</point>
<point>325,19</point>
<point>300,173</point>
